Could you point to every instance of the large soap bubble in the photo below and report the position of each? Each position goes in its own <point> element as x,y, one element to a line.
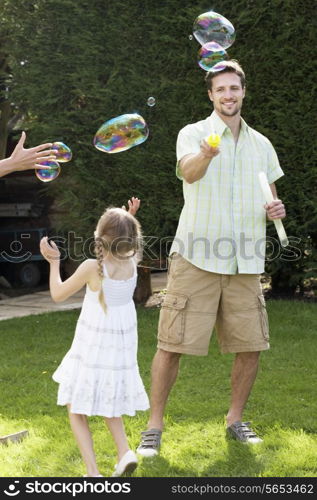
<point>213,27</point>
<point>121,133</point>
<point>49,173</point>
<point>210,54</point>
<point>62,152</point>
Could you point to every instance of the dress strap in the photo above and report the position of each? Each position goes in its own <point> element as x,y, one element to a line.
<point>105,272</point>
<point>134,266</point>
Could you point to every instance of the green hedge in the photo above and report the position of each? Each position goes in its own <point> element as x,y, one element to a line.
<point>90,60</point>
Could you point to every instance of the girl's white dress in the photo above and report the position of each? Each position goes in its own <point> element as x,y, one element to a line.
<point>99,375</point>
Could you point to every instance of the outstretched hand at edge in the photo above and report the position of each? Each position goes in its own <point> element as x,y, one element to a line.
<point>26,159</point>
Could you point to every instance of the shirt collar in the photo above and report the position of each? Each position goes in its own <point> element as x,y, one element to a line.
<point>244,125</point>
<point>218,126</point>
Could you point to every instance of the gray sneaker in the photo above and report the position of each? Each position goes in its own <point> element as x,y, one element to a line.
<point>150,443</point>
<point>241,431</point>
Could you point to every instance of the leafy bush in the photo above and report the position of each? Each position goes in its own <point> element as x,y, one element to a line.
<point>86,62</point>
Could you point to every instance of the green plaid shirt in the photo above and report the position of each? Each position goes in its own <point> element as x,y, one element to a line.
<point>222,226</point>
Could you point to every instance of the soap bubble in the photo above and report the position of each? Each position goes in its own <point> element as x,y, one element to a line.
<point>121,133</point>
<point>210,54</point>
<point>151,101</point>
<point>190,37</point>
<point>50,173</point>
<point>213,27</point>
<point>218,67</point>
<point>62,152</point>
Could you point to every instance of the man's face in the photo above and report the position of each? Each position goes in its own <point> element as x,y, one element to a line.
<point>227,94</point>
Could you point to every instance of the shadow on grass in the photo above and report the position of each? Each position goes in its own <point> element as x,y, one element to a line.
<point>194,463</point>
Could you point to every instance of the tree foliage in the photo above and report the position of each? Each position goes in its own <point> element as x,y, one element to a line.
<point>77,64</point>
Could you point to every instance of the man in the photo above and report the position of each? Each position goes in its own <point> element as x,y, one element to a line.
<point>218,253</point>
<point>25,159</point>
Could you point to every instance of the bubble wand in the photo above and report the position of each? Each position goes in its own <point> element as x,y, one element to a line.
<point>269,198</point>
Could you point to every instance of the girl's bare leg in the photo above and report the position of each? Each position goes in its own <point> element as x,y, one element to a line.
<point>116,427</point>
<point>81,431</point>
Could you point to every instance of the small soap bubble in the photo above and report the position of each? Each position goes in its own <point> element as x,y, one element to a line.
<point>210,54</point>
<point>213,27</point>
<point>49,173</point>
<point>121,133</point>
<point>62,152</point>
<point>190,37</point>
<point>151,101</point>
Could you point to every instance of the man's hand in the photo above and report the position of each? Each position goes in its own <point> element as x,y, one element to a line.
<point>26,159</point>
<point>208,151</point>
<point>134,205</point>
<point>275,210</point>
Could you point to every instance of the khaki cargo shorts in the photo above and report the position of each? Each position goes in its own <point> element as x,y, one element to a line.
<point>196,301</point>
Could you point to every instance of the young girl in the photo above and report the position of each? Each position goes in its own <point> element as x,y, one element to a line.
<point>99,375</point>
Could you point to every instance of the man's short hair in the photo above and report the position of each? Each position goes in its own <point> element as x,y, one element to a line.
<point>231,66</point>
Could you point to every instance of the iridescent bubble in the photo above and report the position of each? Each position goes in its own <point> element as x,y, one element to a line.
<point>190,37</point>
<point>218,67</point>
<point>62,152</point>
<point>210,54</point>
<point>151,101</point>
<point>50,173</point>
<point>213,27</point>
<point>121,133</point>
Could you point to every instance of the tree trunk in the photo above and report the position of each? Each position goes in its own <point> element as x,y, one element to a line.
<point>4,118</point>
<point>143,288</point>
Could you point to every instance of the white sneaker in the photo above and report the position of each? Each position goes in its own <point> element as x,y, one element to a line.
<point>126,465</point>
<point>99,475</point>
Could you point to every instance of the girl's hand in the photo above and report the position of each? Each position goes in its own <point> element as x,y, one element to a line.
<point>49,250</point>
<point>134,205</point>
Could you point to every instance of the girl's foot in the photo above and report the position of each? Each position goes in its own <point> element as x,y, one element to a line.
<point>98,475</point>
<point>126,465</point>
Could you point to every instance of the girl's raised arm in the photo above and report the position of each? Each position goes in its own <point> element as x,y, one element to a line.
<point>133,204</point>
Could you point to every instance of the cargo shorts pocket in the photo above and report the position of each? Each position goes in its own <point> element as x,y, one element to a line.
<point>172,319</point>
<point>263,317</point>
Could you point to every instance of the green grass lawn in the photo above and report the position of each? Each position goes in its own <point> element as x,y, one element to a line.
<point>282,406</point>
